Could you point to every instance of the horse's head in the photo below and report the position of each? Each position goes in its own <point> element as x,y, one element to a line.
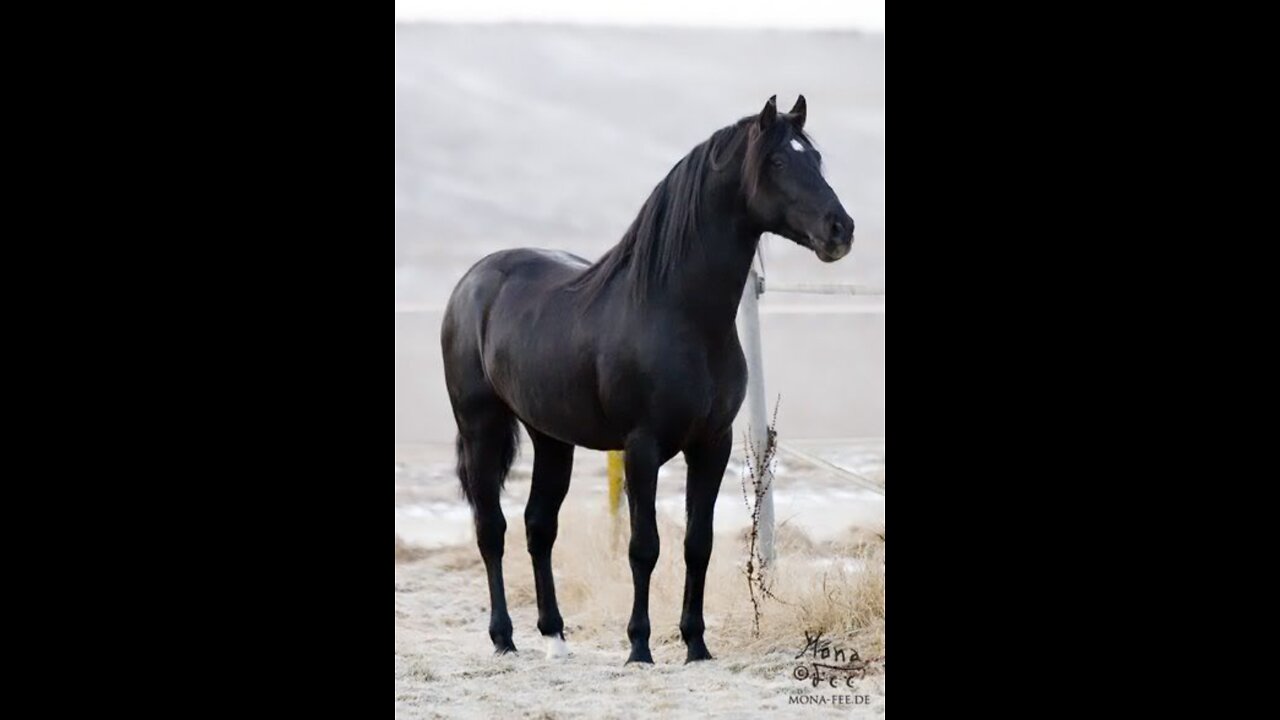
<point>786,193</point>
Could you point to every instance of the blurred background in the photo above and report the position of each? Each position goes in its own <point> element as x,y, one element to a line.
<point>547,125</point>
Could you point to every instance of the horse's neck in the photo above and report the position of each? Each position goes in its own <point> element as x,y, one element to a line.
<point>709,283</point>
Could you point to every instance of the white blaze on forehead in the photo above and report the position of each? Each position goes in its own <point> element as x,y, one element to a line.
<point>795,145</point>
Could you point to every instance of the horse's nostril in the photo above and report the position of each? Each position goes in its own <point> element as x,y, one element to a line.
<point>837,229</point>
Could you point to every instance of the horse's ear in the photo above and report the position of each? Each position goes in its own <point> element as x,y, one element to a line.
<point>798,113</point>
<point>769,114</point>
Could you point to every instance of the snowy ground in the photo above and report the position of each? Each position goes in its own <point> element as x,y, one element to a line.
<point>830,576</point>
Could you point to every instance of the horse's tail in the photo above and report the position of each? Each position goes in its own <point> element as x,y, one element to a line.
<point>505,446</point>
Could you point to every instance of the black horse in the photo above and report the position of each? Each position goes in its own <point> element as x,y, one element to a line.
<point>637,352</point>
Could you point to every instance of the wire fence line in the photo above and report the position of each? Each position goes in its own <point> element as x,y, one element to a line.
<point>824,289</point>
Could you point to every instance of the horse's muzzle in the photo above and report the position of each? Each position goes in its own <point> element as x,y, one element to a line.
<point>839,236</point>
<point>832,253</point>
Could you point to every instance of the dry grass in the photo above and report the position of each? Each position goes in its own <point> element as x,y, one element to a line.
<point>416,668</point>
<point>841,594</point>
<point>834,588</point>
<point>406,552</point>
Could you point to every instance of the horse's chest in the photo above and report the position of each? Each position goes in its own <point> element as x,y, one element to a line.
<point>704,393</point>
<point>729,388</point>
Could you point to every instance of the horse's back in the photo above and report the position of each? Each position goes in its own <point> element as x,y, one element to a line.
<point>530,264</point>
<point>480,286</point>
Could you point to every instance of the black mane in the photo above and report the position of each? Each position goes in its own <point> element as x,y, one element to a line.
<point>666,229</point>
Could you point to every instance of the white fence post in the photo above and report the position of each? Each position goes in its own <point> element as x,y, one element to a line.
<point>757,410</point>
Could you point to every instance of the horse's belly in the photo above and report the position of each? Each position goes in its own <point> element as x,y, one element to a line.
<point>550,385</point>
<point>562,405</point>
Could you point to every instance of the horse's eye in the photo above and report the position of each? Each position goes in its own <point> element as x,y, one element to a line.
<point>778,161</point>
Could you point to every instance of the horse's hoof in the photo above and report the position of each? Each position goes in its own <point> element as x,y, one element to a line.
<point>697,653</point>
<point>557,649</point>
<point>640,655</point>
<point>504,647</point>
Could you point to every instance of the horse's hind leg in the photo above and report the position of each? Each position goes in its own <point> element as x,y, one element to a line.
<point>552,467</point>
<point>487,442</point>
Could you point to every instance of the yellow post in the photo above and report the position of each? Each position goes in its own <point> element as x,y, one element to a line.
<point>615,480</point>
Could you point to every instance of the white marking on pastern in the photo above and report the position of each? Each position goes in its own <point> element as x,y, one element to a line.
<point>556,647</point>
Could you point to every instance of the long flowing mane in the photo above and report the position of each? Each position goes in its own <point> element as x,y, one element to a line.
<point>666,228</point>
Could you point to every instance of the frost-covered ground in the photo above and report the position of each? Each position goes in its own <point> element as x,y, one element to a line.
<point>830,577</point>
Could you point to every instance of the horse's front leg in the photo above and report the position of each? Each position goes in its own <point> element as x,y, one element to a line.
<point>642,480</point>
<point>706,469</point>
